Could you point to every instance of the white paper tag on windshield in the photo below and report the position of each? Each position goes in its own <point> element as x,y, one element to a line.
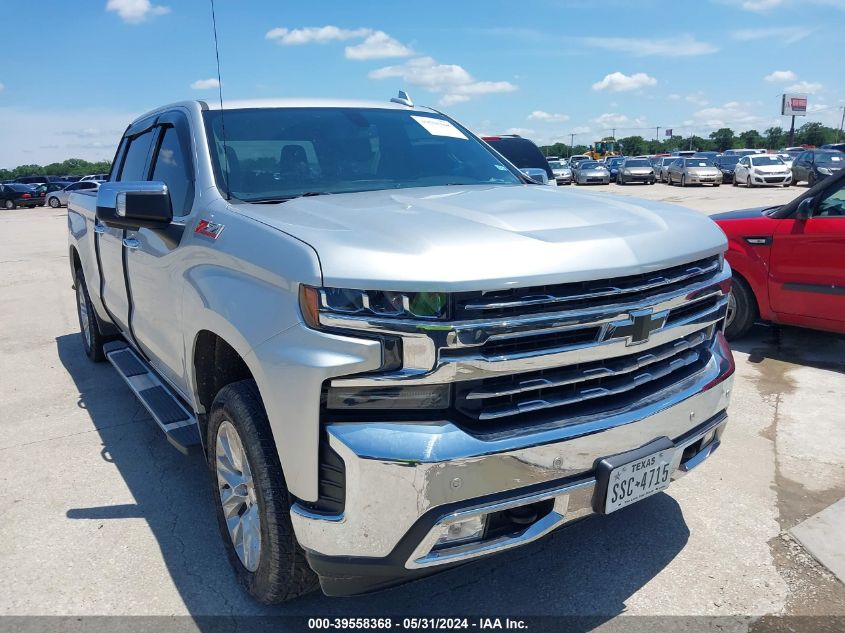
<point>439,127</point>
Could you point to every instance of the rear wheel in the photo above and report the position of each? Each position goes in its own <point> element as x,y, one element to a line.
<point>9,205</point>
<point>92,338</point>
<point>53,202</point>
<point>252,499</point>
<point>742,309</point>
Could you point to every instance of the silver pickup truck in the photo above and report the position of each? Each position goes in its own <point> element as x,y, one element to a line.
<point>396,352</point>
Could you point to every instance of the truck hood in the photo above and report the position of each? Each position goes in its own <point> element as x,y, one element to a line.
<point>487,237</point>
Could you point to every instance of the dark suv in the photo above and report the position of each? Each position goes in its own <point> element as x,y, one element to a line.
<point>523,153</point>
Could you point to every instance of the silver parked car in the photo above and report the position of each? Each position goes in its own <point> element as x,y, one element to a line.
<point>59,198</point>
<point>661,169</point>
<point>591,172</point>
<point>694,171</point>
<point>562,172</point>
<point>635,170</point>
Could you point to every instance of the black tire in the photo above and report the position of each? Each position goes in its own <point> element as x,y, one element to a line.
<point>748,183</point>
<point>9,205</point>
<point>683,180</point>
<point>717,184</point>
<point>283,572</point>
<point>745,310</point>
<point>620,181</point>
<point>811,180</point>
<point>735,183</point>
<point>54,202</point>
<point>93,342</point>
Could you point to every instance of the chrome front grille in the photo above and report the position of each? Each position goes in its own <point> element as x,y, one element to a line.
<point>526,356</point>
<point>519,394</point>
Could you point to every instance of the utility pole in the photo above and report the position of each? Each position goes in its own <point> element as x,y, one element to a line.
<point>657,133</point>
<point>571,142</point>
<point>841,125</point>
<point>613,132</point>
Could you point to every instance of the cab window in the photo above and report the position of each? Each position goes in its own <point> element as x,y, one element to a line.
<point>833,205</point>
<point>172,168</point>
<point>135,163</point>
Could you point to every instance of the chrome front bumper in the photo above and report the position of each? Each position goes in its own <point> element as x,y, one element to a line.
<point>404,475</point>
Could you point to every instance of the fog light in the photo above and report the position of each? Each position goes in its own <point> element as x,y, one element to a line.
<point>708,437</point>
<point>461,532</point>
<point>418,397</point>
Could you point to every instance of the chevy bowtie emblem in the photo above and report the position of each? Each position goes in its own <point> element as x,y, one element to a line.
<point>209,229</point>
<point>637,328</point>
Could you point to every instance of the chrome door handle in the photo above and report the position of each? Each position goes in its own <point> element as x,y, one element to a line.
<point>99,229</point>
<point>131,242</point>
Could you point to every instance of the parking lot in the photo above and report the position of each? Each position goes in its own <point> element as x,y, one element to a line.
<point>104,517</point>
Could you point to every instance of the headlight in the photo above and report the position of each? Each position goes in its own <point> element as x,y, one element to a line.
<point>376,303</point>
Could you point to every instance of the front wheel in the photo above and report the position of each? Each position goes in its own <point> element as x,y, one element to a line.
<point>742,309</point>
<point>748,183</point>
<point>252,499</point>
<point>683,180</point>
<point>811,180</point>
<point>9,205</point>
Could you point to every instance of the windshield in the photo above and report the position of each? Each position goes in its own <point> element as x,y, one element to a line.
<point>590,164</point>
<point>280,153</point>
<point>639,162</point>
<point>728,161</point>
<point>21,187</point>
<point>762,161</point>
<point>834,158</point>
<point>613,162</point>
<point>555,164</point>
<point>698,162</point>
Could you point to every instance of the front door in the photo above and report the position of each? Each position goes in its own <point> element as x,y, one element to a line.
<point>808,262</point>
<point>151,255</point>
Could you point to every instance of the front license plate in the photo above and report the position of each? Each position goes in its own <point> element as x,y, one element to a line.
<point>629,477</point>
<point>637,480</point>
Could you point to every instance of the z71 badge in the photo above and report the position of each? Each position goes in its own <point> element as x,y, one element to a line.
<point>209,229</point>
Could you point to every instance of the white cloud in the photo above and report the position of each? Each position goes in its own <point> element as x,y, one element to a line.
<point>374,45</point>
<point>762,6</point>
<point>205,84</point>
<point>135,11</point>
<point>809,87</point>
<point>681,46</point>
<point>314,35</point>
<point>551,117</point>
<point>453,82</point>
<point>610,119</point>
<point>378,45</point>
<point>734,114</point>
<point>581,129</point>
<point>780,76</point>
<point>619,82</point>
<point>788,34</point>
<point>520,131</point>
<point>696,98</point>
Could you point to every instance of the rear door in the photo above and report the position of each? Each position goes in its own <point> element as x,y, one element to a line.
<point>113,286</point>
<point>151,255</point>
<point>808,262</point>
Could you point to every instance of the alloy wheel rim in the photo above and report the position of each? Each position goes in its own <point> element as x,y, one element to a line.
<point>84,320</point>
<point>731,315</point>
<point>238,498</point>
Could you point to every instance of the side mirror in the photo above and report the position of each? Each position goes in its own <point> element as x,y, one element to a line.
<point>805,209</point>
<point>134,205</point>
<point>536,174</point>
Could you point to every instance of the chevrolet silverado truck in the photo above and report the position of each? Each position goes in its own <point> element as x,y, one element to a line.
<point>395,351</point>
<point>788,261</point>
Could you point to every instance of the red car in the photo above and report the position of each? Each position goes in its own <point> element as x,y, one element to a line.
<point>789,262</point>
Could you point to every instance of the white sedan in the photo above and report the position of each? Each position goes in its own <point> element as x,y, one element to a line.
<point>762,170</point>
<point>59,198</point>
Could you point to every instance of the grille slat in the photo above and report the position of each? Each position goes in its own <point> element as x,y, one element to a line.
<point>547,298</point>
<point>555,389</point>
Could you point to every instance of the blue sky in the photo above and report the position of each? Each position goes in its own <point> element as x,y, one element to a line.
<point>542,68</point>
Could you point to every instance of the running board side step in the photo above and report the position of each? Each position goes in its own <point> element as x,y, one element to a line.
<point>173,418</point>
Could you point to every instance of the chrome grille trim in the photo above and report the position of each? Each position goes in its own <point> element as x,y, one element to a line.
<point>611,291</point>
<point>576,375</point>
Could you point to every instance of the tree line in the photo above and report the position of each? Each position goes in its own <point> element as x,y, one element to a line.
<point>718,141</point>
<point>70,167</point>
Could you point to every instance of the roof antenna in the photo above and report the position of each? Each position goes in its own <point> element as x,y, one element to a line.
<point>220,93</point>
<point>403,99</point>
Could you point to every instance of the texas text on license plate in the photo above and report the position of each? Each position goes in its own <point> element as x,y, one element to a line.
<point>630,477</point>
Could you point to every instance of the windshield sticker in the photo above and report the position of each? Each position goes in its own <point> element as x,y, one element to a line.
<point>439,127</point>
